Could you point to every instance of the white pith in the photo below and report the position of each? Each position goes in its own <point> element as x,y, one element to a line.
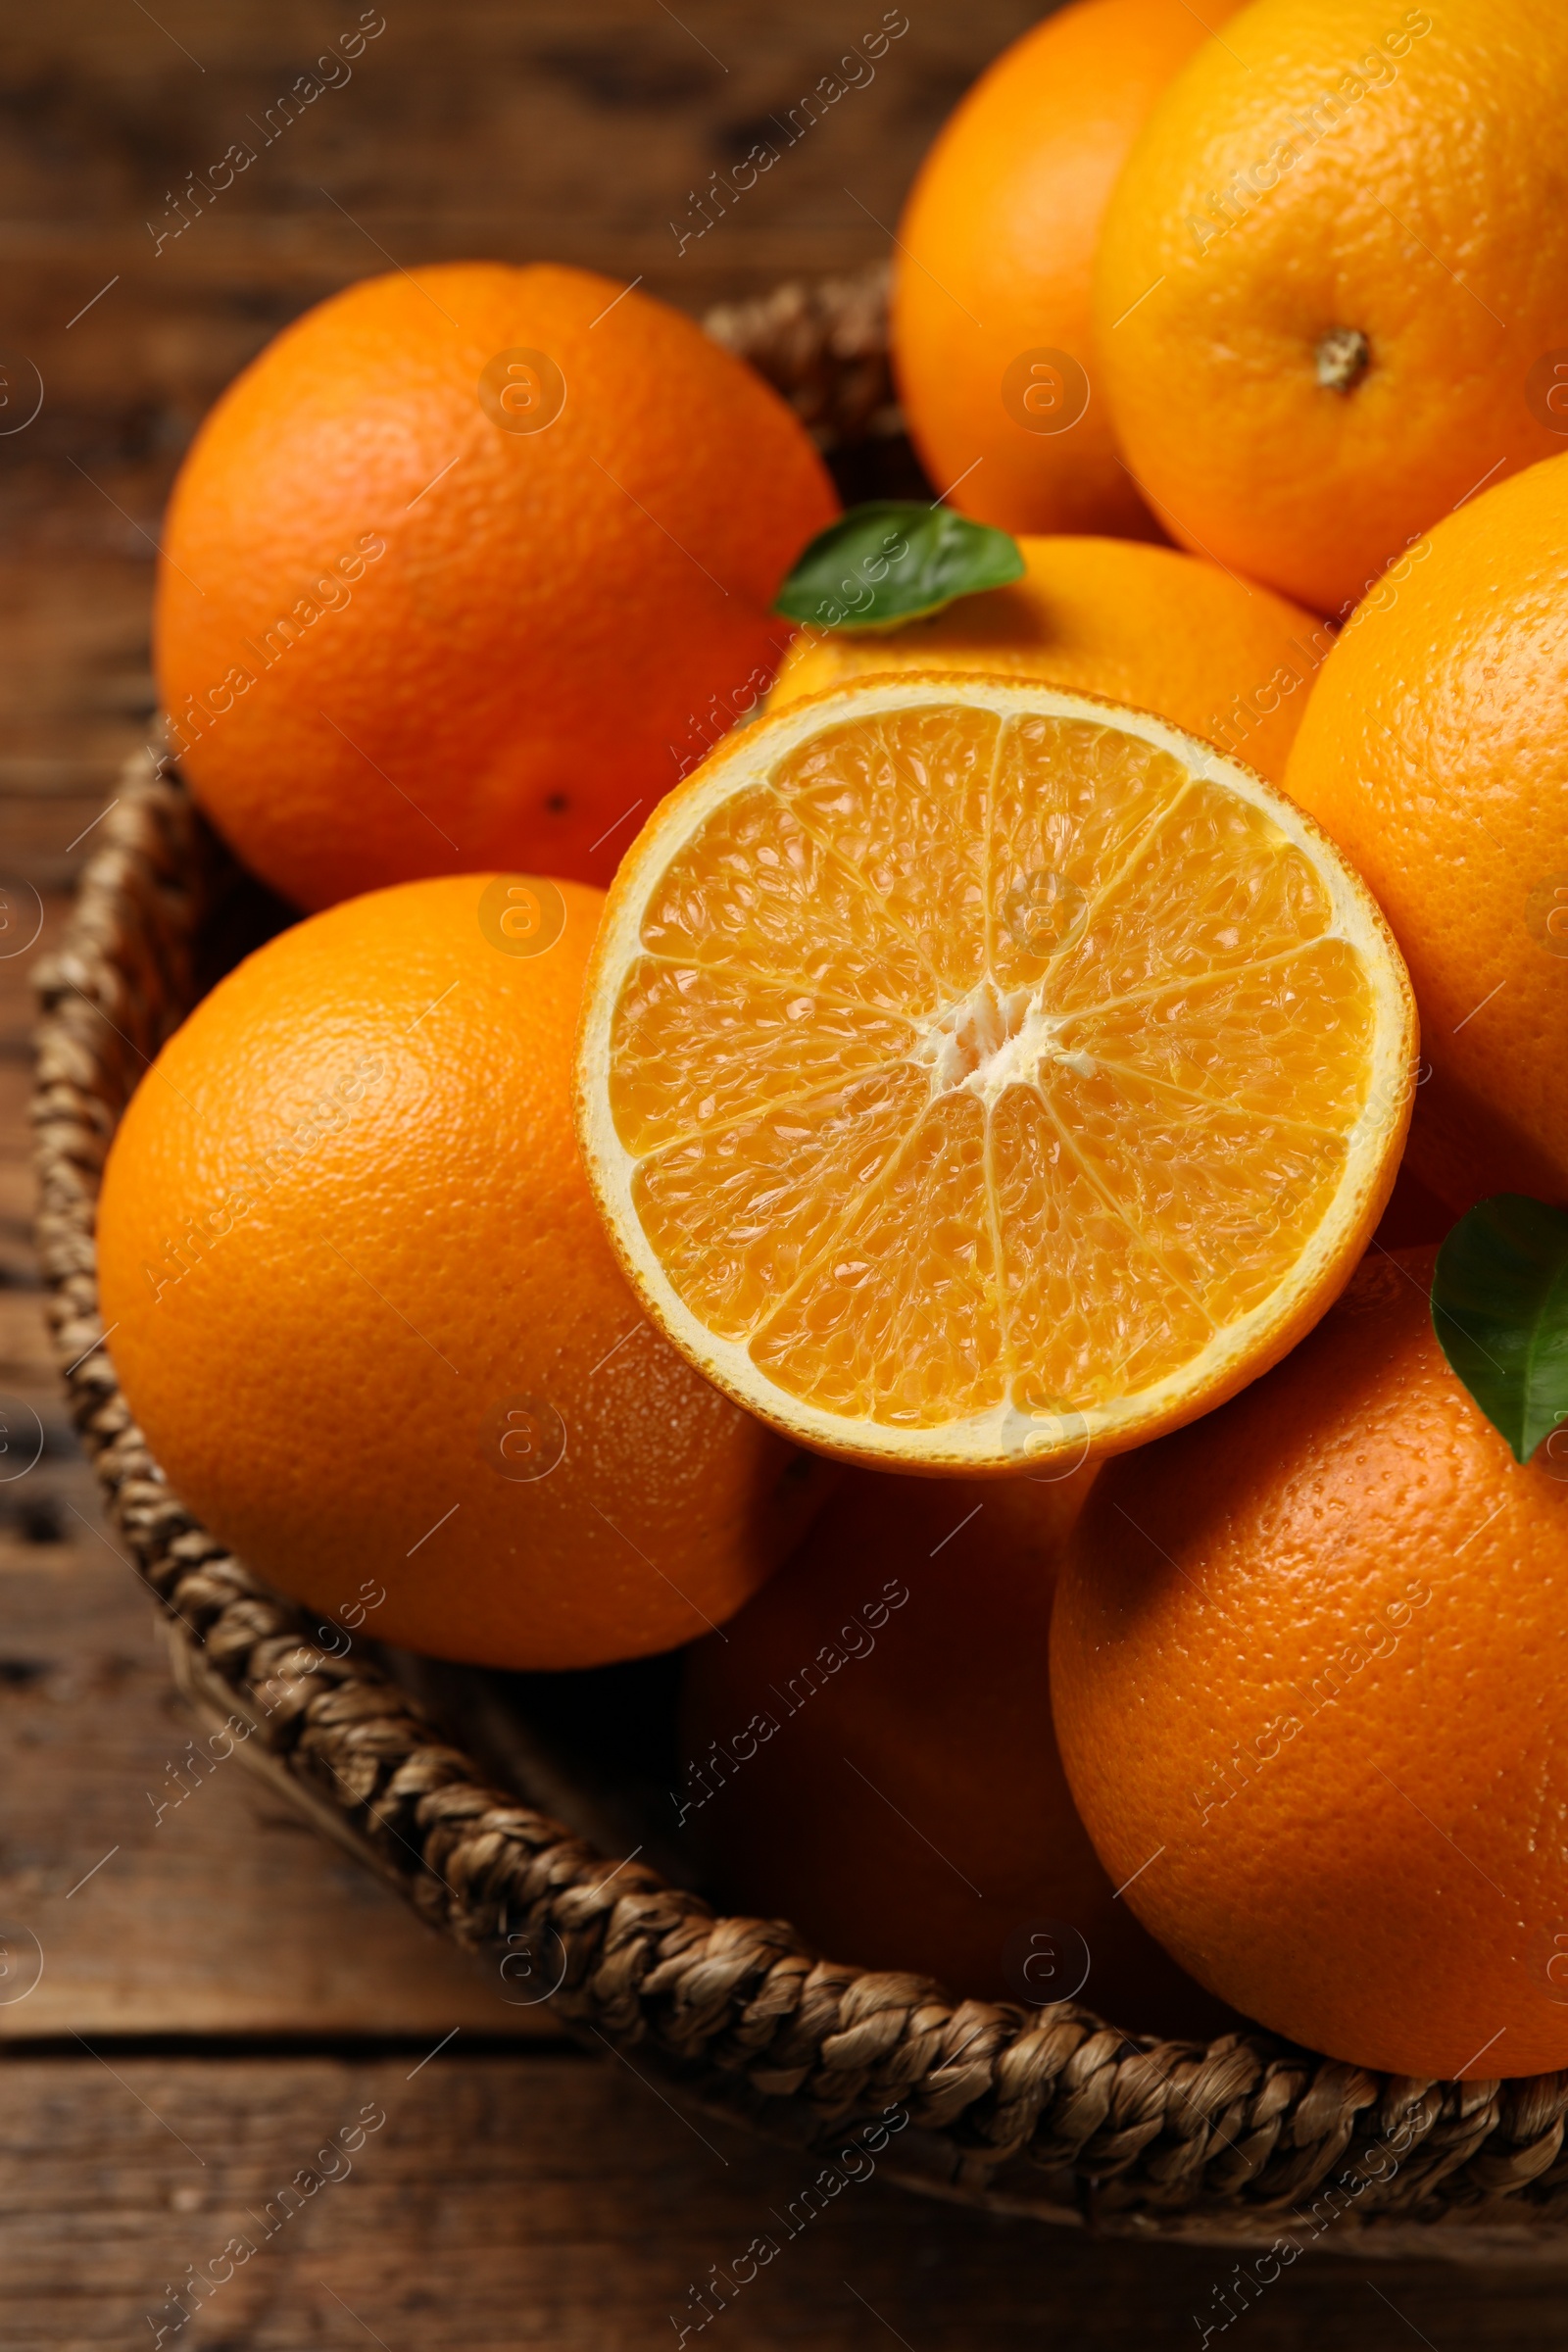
<point>990,1040</point>
<point>982,1044</point>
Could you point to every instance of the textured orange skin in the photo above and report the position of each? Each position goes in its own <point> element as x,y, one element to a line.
<point>537,649</point>
<point>319,1386</point>
<point>1434,751</point>
<point>944,1707</point>
<point>997,250</point>
<point>1450,161</point>
<point>1143,626</point>
<point>1385,1881</point>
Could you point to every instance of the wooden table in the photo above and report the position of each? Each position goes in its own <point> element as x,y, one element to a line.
<point>223,1998</point>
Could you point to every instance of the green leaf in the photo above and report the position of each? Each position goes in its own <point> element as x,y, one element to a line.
<point>882,564</point>
<point>1499,1307</point>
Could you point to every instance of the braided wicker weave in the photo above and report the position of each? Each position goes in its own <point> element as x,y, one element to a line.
<point>1247,2143</point>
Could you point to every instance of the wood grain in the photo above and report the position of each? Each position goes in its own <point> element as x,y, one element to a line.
<point>167,1891</point>
<point>479,129</point>
<point>507,2200</point>
<point>546,2200</point>
<point>530,2198</point>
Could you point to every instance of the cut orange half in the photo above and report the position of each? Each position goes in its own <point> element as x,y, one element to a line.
<point>975,1076</point>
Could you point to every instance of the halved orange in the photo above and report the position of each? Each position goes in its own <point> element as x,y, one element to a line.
<point>974,1075</point>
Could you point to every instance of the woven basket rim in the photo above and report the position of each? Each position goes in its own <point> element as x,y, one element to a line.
<point>1051,2111</point>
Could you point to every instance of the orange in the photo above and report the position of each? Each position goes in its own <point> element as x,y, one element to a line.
<point>1434,750</point>
<point>466,569</point>
<point>1332,287</point>
<point>1307,1662</point>
<point>971,1071</point>
<point>868,1753</point>
<point>992,338</point>
<point>1143,626</point>
<point>358,1301</point>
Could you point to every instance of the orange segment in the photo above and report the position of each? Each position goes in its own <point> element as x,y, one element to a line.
<point>1217,1196</point>
<point>1213,883</point>
<point>738,1214</point>
<point>758,891</point>
<point>896,1320</point>
<point>698,1045</point>
<point>1069,804</point>
<point>903,801</point>
<point>1090,1312</point>
<point>973,1073</point>
<point>1288,1037</point>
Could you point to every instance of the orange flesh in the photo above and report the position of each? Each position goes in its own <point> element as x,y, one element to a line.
<point>972,1059</point>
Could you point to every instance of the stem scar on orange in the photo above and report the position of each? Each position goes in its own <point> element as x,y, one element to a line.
<point>993,338</point>
<point>1333,280</point>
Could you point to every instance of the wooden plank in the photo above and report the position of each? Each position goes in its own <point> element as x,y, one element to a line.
<point>75,687</point>
<point>466,127</point>
<point>160,1889</point>
<point>547,2201</point>
<point>507,2200</point>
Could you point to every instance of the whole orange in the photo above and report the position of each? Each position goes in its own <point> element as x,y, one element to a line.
<point>466,568</point>
<point>1434,750</point>
<point>1308,1658</point>
<point>1143,626</point>
<point>359,1303</point>
<point>868,1752</point>
<point>992,336</point>
<point>1332,290</point>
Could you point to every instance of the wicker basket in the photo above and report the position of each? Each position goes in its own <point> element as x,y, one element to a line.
<point>1248,2142</point>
